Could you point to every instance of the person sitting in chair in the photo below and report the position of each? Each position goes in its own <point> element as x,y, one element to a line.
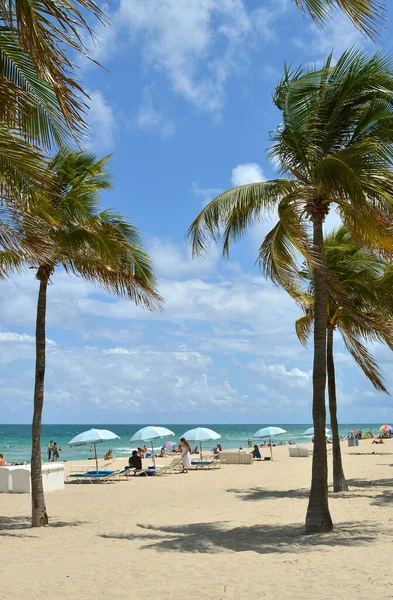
<point>135,461</point>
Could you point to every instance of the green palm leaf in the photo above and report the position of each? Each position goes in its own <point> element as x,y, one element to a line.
<point>366,15</point>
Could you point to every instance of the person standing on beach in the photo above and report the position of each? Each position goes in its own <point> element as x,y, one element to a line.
<point>185,455</point>
<point>55,452</point>
<point>50,446</point>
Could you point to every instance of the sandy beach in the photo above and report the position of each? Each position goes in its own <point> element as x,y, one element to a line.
<point>231,533</point>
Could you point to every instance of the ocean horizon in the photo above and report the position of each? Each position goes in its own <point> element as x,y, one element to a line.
<point>15,440</point>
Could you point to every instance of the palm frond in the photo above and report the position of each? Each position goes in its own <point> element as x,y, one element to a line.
<point>22,168</point>
<point>367,15</point>
<point>230,214</point>
<point>364,359</point>
<point>304,327</point>
<point>102,247</point>
<point>28,102</point>
<point>47,30</point>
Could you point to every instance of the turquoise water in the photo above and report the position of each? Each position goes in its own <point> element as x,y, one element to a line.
<point>15,440</point>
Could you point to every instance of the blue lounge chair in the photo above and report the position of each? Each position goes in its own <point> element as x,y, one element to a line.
<point>93,476</point>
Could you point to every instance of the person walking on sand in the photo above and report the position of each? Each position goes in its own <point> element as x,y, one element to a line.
<point>50,446</point>
<point>185,455</point>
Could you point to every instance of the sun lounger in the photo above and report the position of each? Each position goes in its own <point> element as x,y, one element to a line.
<point>77,468</point>
<point>205,464</point>
<point>105,476</point>
<point>210,461</point>
<point>93,477</point>
<point>173,466</point>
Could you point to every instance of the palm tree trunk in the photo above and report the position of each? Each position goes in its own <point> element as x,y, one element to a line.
<point>39,515</point>
<point>318,518</point>
<point>339,483</point>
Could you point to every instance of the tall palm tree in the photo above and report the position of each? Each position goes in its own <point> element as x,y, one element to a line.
<point>334,146</point>
<point>100,247</point>
<point>360,275</point>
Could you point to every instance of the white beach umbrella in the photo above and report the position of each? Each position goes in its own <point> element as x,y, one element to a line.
<point>310,431</point>
<point>93,437</point>
<point>151,433</point>
<point>201,434</point>
<point>269,432</point>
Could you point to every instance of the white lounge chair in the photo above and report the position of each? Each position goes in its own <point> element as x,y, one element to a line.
<point>173,466</point>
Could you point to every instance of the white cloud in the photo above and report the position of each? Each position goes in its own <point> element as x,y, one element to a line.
<point>101,121</point>
<point>10,336</point>
<point>176,37</point>
<point>247,173</point>
<point>294,377</point>
<point>196,45</point>
<point>173,261</point>
<point>151,119</point>
<point>125,381</point>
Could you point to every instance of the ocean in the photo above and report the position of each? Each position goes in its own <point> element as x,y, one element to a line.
<point>15,440</point>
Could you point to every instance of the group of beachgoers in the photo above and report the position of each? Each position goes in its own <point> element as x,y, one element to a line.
<point>3,462</point>
<point>135,460</point>
<point>53,451</point>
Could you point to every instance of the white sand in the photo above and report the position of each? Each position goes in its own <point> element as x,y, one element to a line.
<point>233,533</point>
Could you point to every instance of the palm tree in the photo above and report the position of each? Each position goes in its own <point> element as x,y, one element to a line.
<point>334,146</point>
<point>360,275</point>
<point>100,247</point>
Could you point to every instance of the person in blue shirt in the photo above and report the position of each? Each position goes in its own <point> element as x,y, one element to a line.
<point>255,453</point>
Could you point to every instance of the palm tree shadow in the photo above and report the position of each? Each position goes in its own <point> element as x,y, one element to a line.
<point>370,483</point>
<point>217,537</point>
<point>10,526</point>
<point>258,494</point>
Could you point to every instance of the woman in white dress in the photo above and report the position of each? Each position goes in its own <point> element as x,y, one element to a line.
<point>185,455</point>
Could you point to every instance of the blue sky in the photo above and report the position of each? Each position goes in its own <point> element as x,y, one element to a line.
<point>185,106</point>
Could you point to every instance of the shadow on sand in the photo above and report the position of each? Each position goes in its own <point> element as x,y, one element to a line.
<point>258,494</point>
<point>14,526</point>
<point>216,537</point>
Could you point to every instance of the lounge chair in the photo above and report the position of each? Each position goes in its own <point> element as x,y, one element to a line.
<point>88,468</point>
<point>93,477</point>
<point>208,463</point>
<point>170,468</point>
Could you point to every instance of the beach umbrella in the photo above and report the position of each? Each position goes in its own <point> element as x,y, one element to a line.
<point>310,431</point>
<point>151,433</point>
<point>385,428</point>
<point>201,434</point>
<point>93,437</point>
<point>170,444</point>
<point>269,432</point>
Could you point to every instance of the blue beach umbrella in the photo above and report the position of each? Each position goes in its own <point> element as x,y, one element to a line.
<point>93,437</point>
<point>201,434</point>
<point>310,431</point>
<point>269,432</point>
<point>151,433</point>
